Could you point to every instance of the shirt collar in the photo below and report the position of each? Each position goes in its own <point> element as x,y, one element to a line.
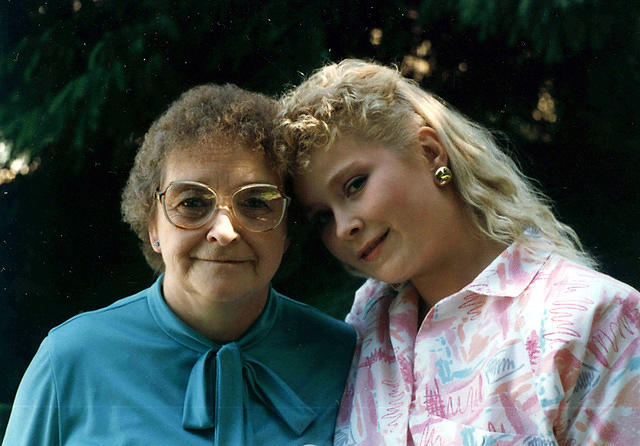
<point>508,275</point>
<point>179,331</point>
<point>215,395</point>
<point>511,272</point>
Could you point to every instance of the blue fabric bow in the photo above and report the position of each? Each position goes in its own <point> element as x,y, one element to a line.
<point>220,399</point>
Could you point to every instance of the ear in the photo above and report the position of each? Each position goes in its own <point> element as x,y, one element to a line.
<point>153,237</point>
<point>431,147</point>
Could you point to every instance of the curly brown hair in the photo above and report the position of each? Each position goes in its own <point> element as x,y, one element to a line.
<point>201,116</point>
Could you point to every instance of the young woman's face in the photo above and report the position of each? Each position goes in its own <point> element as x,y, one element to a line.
<point>378,209</point>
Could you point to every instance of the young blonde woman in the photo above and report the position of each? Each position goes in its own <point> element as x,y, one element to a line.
<point>483,321</point>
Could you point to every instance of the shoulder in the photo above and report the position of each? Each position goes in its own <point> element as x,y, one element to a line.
<point>583,310</point>
<point>90,329</point>
<point>307,334</point>
<point>561,281</point>
<point>309,319</point>
<point>116,310</point>
<point>584,345</point>
<point>71,359</point>
<point>316,346</point>
<point>34,415</point>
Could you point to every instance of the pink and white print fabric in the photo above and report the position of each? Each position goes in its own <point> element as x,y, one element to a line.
<point>535,351</point>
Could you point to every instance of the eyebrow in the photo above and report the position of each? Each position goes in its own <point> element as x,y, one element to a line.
<point>334,179</point>
<point>235,186</point>
<point>336,176</point>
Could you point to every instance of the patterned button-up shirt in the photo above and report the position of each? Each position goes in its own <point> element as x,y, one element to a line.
<point>535,351</point>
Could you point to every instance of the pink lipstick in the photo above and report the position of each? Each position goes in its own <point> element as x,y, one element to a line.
<point>371,249</point>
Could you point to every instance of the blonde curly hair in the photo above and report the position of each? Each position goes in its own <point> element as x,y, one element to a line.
<point>378,103</point>
<point>203,115</point>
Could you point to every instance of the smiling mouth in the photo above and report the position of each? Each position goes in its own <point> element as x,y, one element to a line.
<point>226,261</point>
<point>373,245</point>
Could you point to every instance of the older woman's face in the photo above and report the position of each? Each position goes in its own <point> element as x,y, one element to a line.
<point>220,260</point>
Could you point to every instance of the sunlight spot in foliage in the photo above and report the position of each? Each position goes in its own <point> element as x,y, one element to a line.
<point>546,107</point>
<point>418,65</point>
<point>5,152</point>
<point>424,48</point>
<point>17,166</point>
<point>415,67</point>
<point>375,36</point>
<point>6,176</point>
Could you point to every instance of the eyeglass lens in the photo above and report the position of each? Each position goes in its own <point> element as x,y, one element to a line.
<point>257,208</point>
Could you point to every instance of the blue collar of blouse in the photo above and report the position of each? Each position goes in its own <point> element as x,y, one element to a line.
<point>216,393</point>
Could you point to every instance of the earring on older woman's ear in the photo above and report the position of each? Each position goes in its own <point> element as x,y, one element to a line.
<point>156,243</point>
<point>443,176</point>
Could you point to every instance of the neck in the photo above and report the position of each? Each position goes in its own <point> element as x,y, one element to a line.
<point>222,320</point>
<point>472,256</point>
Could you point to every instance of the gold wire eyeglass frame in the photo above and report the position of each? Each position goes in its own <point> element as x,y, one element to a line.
<point>160,196</point>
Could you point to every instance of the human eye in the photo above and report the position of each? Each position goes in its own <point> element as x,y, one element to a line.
<point>193,202</point>
<point>354,185</point>
<point>258,200</point>
<point>190,201</point>
<point>255,204</point>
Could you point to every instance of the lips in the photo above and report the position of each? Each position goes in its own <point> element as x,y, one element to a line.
<point>371,246</point>
<point>218,260</point>
<point>228,261</point>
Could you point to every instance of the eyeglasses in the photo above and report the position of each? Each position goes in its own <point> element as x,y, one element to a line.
<point>190,205</point>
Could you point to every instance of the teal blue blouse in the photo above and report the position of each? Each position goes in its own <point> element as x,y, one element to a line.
<point>133,373</point>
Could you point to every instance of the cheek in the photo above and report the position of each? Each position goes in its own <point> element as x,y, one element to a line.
<point>179,244</point>
<point>386,194</point>
<point>271,249</point>
<point>333,243</point>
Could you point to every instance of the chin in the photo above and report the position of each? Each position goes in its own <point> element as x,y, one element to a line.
<point>391,276</point>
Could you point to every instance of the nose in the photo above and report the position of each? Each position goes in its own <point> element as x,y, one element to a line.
<point>222,229</point>
<point>347,225</point>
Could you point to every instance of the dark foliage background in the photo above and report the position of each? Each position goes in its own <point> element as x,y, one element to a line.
<point>82,80</point>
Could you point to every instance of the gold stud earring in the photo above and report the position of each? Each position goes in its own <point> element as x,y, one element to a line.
<point>443,176</point>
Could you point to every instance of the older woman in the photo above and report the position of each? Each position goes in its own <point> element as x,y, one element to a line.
<point>483,322</point>
<point>210,353</point>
